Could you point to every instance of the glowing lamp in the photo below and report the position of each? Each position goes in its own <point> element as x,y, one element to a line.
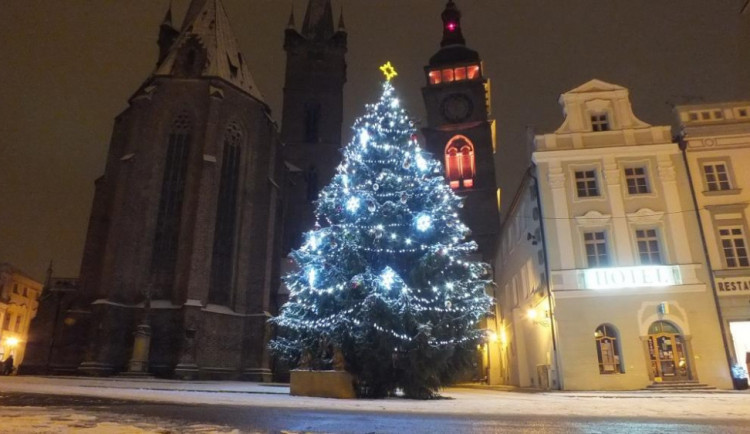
<point>491,336</point>
<point>352,204</point>
<point>451,26</point>
<point>424,222</point>
<point>531,314</point>
<point>11,342</point>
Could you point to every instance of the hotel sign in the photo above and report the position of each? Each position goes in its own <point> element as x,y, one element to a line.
<point>631,277</point>
<point>733,285</point>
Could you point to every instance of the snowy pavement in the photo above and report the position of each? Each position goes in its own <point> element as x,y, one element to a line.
<point>459,401</point>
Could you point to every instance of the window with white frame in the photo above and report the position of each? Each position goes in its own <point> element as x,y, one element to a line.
<point>648,246</point>
<point>586,185</point>
<point>637,180</point>
<point>734,246</point>
<point>596,249</point>
<point>599,122</point>
<point>716,176</point>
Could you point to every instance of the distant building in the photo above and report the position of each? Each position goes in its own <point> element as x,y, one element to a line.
<point>19,295</point>
<point>716,142</point>
<point>631,301</point>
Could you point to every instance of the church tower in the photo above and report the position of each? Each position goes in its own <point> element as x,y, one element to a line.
<point>184,226</point>
<point>313,111</point>
<point>459,130</point>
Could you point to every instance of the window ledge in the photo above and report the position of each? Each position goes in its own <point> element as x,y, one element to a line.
<point>722,192</point>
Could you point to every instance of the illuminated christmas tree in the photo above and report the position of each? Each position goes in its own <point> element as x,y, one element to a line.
<point>385,278</point>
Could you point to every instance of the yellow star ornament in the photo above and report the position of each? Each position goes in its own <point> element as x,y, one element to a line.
<point>389,71</point>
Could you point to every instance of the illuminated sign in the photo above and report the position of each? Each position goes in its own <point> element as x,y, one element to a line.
<point>631,277</point>
<point>734,285</point>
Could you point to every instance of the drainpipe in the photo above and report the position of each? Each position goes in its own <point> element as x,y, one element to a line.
<point>558,374</point>
<point>722,328</point>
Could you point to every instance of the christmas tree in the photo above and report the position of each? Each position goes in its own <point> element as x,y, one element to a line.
<point>385,279</point>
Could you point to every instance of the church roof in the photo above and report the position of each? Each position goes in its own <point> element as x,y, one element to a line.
<point>318,22</point>
<point>207,21</point>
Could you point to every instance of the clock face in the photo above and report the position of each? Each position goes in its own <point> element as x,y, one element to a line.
<point>456,108</point>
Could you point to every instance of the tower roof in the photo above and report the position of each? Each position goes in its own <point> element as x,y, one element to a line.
<point>207,22</point>
<point>318,22</point>
<point>453,45</point>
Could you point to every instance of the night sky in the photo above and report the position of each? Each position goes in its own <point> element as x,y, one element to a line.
<point>67,68</point>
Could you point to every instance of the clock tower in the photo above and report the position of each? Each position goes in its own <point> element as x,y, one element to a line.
<point>459,130</point>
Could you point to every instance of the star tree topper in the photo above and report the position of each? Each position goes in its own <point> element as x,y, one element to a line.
<point>389,71</point>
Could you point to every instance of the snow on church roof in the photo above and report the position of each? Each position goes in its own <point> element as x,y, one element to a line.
<point>207,21</point>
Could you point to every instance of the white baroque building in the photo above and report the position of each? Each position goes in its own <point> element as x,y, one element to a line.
<point>619,296</point>
<point>716,142</point>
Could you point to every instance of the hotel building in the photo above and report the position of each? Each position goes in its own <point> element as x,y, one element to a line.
<point>603,278</point>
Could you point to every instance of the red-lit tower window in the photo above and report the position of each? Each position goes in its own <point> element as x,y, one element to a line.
<point>460,167</point>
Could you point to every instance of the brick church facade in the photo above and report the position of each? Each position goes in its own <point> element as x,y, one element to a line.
<point>202,196</point>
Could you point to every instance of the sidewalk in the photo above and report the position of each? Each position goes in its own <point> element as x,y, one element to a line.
<point>458,401</point>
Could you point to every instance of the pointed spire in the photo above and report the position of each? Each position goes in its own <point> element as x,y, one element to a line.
<point>452,26</point>
<point>318,22</point>
<point>291,24</point>
<point>341,26</point>
<point>167,21</point>
<point>207,39</point>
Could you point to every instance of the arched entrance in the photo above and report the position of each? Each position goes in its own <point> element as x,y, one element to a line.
<point>667,352</point>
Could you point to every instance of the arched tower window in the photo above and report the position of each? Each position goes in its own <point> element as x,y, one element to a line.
<point>222,263</point>
<point>608,349</point>
<point>170,206</point>
<point>460,167</point>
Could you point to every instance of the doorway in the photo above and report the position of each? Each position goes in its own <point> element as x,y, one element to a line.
<point>740,331</point>
<point>667,352</point>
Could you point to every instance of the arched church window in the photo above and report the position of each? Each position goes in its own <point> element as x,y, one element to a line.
<point>312,122</point>
<point>170,206</point>
<point>608,349</point>
<point>222,264</point>
<point>460,166</point>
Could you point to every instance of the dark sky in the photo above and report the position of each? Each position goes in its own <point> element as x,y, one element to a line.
<point>67,68</point>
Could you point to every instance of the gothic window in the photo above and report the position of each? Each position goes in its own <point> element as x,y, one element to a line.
<point>608,350</point>
<point>312,122</point>
<point>170,204</point>
<point>459,163</point>
<point>222,263</point>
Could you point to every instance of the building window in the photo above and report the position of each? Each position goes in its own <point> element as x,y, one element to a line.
<point>6,323</point>
<point>435,77</point>
<point>648,246</point>
<point>222,263</point>
<point>705,115</point>
<point>636,180</point>
<point>586,183</point>
<point>599,122</point>
<point>608,350</point>
<point>447,75</point>
<point>312,122</point>
<point>693,116</point>
<point>26,292</point>
<point>716,177</point>
<point>459,162</point>
<point>164,256</point>
<point>734,246</point>
<point>18,324</point>
<point>596,249</point>
<point>15,288</point>
<point>472,72</point>
<point>742,113</point>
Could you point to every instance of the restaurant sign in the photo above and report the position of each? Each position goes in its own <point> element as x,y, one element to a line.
<point>733,285</point>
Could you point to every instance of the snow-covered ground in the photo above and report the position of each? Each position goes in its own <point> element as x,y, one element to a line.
<point>698,405</point>
<point>35,420</point>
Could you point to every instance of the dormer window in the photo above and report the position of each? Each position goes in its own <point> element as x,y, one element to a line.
<point>599,122</point>
<point>459,163</point>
